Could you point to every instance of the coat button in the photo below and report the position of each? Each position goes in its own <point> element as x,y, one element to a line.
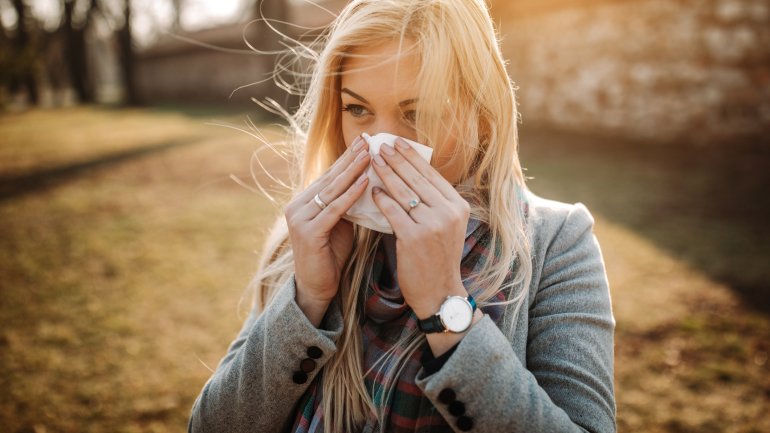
<point>465,423</point>
<point>307,365</point>
<point>299,377</point>
<point>457,408</point>
<point>447,395</point>
<point>314,352</point>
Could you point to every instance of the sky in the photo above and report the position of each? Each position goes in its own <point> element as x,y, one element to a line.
<point>196,14</point>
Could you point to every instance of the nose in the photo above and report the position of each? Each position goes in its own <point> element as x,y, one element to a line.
<point>391,125</point>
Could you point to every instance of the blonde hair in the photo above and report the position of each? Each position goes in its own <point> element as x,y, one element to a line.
<point>461,67</point>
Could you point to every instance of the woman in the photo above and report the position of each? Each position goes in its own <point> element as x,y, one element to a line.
<point>344,335</point>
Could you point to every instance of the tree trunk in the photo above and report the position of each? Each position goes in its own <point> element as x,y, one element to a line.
<point>75,39</point>
<point>23,52</point>
<point>125,44</point>
<point>177,5</point>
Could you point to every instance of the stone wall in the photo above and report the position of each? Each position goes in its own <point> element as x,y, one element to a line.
<point>671,71</point>
<point>202,75</point>
<point>209,65</point>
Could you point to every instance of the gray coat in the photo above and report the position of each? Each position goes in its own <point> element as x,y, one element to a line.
<point>555,374</point>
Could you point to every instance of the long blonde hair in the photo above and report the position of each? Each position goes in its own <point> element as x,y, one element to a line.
<point>463,73</point>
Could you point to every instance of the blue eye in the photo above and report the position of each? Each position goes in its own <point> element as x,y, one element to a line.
<point>356,110</point>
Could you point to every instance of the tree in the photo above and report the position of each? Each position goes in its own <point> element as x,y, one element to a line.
<point>23,56</point>
<point>126,50</point>
<point>177,5</point>
<point>75,39</point>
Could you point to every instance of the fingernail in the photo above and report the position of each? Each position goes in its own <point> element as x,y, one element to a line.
<point>388,149</point>
<point>361,155</point>
<point>378,159</point>
<point>402,143</point>
<point>358,143</point>
<point>376,190</point>
<point>362,179</point>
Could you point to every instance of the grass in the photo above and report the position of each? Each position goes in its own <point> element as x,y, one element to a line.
<point>121,277</point>
<point>682,233</point>
<point>123,281</point>
<point>705,205</point>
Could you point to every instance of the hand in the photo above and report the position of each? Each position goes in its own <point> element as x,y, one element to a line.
<point>430,237</point>
<point>321,240</point>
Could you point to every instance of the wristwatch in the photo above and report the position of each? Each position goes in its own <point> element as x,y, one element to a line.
<point>455,315</point>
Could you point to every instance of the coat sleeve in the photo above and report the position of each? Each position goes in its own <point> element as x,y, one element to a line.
<point>566,382</point>
<point>258,382</point>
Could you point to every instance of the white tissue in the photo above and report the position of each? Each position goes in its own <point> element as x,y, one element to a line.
<point>364,211</point>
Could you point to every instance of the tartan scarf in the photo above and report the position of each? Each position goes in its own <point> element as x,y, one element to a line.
<point>387,317</point>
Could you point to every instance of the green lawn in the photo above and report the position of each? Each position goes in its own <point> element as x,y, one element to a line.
<point>125,249</point>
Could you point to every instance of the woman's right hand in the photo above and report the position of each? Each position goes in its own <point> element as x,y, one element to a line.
<point>321,240</point>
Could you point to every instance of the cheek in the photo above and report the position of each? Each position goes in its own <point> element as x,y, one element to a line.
<point>349,131</point>
<point>442,160</point>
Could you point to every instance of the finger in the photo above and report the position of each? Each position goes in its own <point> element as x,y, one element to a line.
<point>407,173</point>
<point>333,212</point>
<point>402,194</point>
<point>336,168</point>
<point>333,190</point>
<point>395,186</point>
<point>428,171</point>
<point>343,162</point>
<point>399,220</point>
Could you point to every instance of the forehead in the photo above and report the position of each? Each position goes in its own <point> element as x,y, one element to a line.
<point>382,72</point>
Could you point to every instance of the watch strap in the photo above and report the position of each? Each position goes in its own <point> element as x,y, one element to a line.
<point>433,323</point>
<point>472,302</point>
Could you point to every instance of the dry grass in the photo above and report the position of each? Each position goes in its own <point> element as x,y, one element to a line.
<point>42,139</point>
<point>682,233</point>
<point>121,281</point>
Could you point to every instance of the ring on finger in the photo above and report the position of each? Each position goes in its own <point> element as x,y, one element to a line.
<point>413,203</point>
<point>319,202</point>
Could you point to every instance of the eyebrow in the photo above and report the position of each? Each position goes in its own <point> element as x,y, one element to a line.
<point>362,99</point>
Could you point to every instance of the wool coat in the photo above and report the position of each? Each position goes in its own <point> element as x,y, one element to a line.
<point>553,374</point>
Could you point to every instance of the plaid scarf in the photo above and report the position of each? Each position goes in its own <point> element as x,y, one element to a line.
<point>388,317</point>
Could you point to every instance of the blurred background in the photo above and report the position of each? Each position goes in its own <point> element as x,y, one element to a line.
<point>132,159</point>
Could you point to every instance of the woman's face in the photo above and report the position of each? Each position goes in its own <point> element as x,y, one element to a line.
<point>378,92</point>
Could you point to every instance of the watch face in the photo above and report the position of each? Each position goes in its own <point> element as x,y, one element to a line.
<point>456,314</point>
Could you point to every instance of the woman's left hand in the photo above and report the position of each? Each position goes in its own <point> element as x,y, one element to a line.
<point>429,237</point>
